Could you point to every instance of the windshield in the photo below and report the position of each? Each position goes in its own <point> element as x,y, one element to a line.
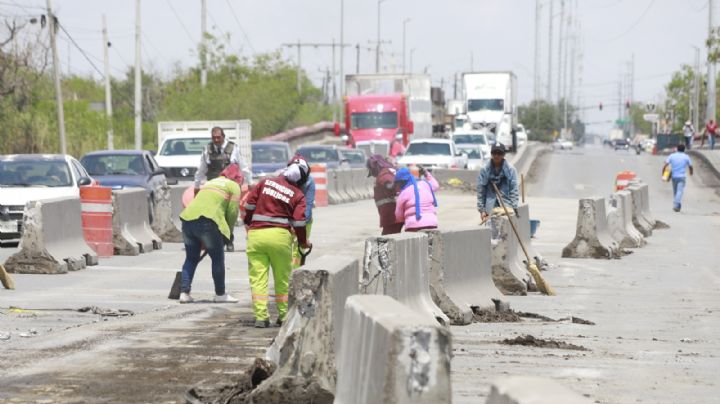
<point>371,120</point>
<point>459,122</point>
<point>354,156</point>
<point>479,105</point>
<point>269,154</point>
<point>114,164</point>
<point>29,173</point>
<point>319,155</point>
<point>425,149</point>
<point>469,139</point>
<point>182,147</point>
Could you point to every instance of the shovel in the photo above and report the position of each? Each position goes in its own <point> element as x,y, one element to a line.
<point>303,255</point>
<point>175,288</point>
<point>543,287</point>
<point>5,278</point>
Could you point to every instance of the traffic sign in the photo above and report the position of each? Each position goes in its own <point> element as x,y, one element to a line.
<point>651,117</point>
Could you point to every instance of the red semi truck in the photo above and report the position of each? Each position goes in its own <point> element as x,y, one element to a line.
<point>377,123</point>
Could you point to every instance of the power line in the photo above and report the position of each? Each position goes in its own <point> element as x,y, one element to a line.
<point>217,26</point>
<point>635,24</point>
<point>102,76</point>
<point>237,20</point>
<point>177,17</point>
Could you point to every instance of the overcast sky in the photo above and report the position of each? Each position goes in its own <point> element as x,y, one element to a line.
<point>447,36</point>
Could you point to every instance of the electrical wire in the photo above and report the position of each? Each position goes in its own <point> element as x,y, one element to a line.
<point>82,51</point>
<point>635,24</point>
<point>237,20</point>
<point>217,26</point>
<point>177,17</point>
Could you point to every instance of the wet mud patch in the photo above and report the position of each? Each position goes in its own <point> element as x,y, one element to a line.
<point>531,341</point>
<point>235,393</point>
<point>512,316</point>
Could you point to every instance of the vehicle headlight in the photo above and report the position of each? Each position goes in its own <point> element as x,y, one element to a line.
<point>116,187</point>
<point>185,172</point>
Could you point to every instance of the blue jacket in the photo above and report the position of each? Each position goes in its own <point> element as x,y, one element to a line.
<point>308,190</point>
<point>507,182</point>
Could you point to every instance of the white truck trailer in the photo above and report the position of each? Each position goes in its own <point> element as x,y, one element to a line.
<point>490,102</point>
<point>181,143</point>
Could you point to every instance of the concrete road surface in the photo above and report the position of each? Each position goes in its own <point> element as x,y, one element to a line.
<point>656,311</point>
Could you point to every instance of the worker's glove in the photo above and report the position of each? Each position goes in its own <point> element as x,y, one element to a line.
<point>421,171</point>
<point>306,246</point>
<point>517,214</point>
<point>196,191</point>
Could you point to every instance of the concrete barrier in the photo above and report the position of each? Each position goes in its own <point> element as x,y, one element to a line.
<point>532,390</point>
<point>523,221</point>
<point>132,234</point>
<point>306,346</point>
<point>592,239</point>
<point>638,220</point>
<point>335,195</point>
<point>52,240</point>
<point>389,354</point>
<point>164,217</point>
<point>176,194</point>
<point>397,266</point>
<point>461,272</point>
<point>346,185</point>
<point>508,270</point>
<point>620,222</point>
<point>360,182</point>
<point>370,186</point>
<point>645,195</point>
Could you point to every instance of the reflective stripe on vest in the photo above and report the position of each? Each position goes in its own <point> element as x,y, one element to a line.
<point>270,219</point>
<point>225,194</point>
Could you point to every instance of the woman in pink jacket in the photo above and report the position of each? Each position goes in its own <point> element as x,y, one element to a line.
<point>416,203</point>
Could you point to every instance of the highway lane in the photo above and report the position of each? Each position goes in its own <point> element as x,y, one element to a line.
<point>645,305</point>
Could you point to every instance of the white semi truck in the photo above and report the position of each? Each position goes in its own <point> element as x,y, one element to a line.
<point>490,102</point>
<point>180,144</point>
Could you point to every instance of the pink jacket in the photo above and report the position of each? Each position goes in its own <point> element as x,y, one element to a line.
<point>405,205</point>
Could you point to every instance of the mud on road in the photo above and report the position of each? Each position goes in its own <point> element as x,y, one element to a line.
<point>151,357</point>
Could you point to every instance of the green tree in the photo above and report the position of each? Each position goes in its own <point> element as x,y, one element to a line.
<point>544,120</point>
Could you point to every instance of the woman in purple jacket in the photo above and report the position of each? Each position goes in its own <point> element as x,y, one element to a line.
<point>416,203</point>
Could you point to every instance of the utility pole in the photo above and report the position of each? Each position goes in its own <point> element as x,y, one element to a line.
<point>632,94</point>
<point>560,49</point>
<point>334,93</point>
<point>407,20</point>
<point>138,80</point>
<point>548,93</point>
<point>377,48</point>
<point>299,45</point>
<point>455,87</point>
<point>710,68</point>
<point>536,81</point>
<point>472,61</point>
<point>357,59</point>
<point>56,73</point>
<point>411,59</point>
<point>203,43</point>
<point>108,95</point>
<point>342,50</point>
<point>696,91</point>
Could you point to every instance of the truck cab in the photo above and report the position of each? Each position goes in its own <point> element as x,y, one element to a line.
<point>374,122</point>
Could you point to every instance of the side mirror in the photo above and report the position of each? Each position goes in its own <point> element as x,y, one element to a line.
<point>336,129</point>
<point>411,127</point>
<point>84,181</point>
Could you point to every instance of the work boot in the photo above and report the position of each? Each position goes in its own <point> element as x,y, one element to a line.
<point>229,247</point>
<point>224,299</point>
<point>262,323</point>
<point>186,298</point>
<point>278,323</point>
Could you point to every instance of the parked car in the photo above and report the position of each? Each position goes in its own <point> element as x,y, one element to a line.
<point>621,144</point>
<point>31,177</point>
<point>119,169</point>
<point>322,154</point>
<point>476,156</point>
<point>563,144</point>
<point>269,157</point>
<point>356,158</point>
<point>477,137</point>
<point>521,134</point>
<point>434,153</point>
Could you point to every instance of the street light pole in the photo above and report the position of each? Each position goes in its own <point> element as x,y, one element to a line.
<point>407,20</point>
<point>411,58</point>
<point>377,48</point>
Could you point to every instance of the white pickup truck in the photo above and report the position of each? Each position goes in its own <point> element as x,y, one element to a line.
<point>434,153</point>
<point>180,144</point>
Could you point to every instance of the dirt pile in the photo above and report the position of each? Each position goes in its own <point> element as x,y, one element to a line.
<point>531,341</point>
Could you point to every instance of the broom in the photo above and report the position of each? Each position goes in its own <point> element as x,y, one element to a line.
<point>543,287</point>
<point>5,278</point>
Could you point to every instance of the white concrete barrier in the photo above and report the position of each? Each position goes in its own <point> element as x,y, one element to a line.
<point>359,176</point>
<point>346,185</point>
<point>335,196</point>
<point>52,239</point>
<point>176,194</point>
<point>132,234</point>
<point>165,219</point>
<point>638,219</point>
<point>645,195</point>
<point>397,266</point>
<point>523,221</point>
<point>532,390</point>
<point>461,272</point>
<point>308,342</point>
<point>509,272</point>
<point>620,222</point>
<point>390,354</point>
<point>592,239</point>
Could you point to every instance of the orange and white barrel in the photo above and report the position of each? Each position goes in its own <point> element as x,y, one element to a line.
<point>622,180</point>
<point>97,213</point>
<point>318,172</point>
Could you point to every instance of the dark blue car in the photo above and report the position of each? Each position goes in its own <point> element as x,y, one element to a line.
<point>269,157</point>
<point>119,169</point>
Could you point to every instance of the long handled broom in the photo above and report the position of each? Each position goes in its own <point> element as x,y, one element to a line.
<point>543,286</point>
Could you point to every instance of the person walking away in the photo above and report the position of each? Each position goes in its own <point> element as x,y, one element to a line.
<point>680,165</point>
<point>500,172</point>
<point>274,208</point>
<point>384,192</point>
<point>688,133</point>
<point>206,223</point>
<point>416,202</point>
<point>711,131</point>
<point>308,189</point>
<point>218,154</point>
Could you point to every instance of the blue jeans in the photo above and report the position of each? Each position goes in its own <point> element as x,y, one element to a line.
<point>678,188</point>
<point>711,140</point>
<point>197,233</point>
